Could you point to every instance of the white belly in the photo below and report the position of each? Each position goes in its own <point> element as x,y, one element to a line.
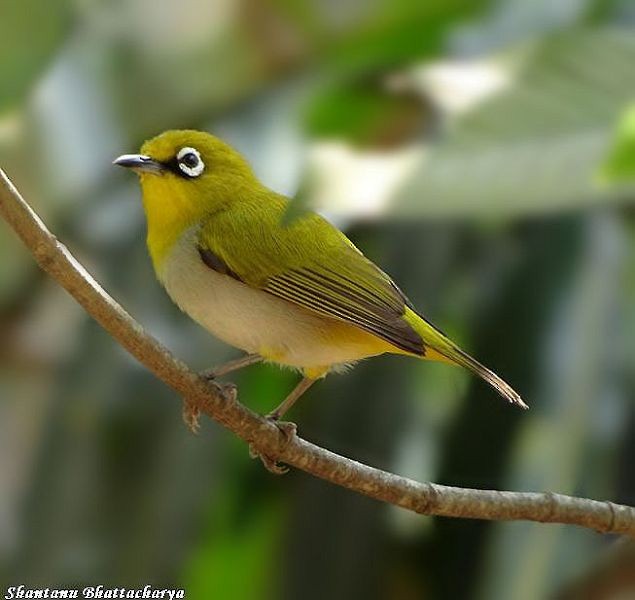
<point>251,319</point>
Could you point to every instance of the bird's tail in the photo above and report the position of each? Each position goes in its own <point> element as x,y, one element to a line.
<point>439,347</point>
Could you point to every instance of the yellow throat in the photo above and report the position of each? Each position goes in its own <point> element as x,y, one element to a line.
<point>173,204</point>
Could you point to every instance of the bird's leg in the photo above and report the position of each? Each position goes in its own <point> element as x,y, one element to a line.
<point>291,399</point>
<point>287,429</point>
<point>232,365</point>
<point>191,413</point>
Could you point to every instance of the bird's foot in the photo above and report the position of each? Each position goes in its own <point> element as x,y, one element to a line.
<point>192,412</point>
<point>229,391</point>
<point>288,431</point>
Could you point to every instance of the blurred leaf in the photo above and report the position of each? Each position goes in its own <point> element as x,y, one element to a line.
<point>604,10</point>
<point>30,33</point>
<point>535,147</point>
<point>620,165</point>
<point>400,32</point>
<point>357,106</point>
<point>238,555</point>
<point>368,114</point>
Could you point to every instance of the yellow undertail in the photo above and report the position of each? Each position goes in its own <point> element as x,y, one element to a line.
<point>439,347</point>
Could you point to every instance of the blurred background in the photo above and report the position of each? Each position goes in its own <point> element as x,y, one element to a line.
<point>479,151</point>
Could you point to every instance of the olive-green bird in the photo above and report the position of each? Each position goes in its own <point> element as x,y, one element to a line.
<point>294,292</point>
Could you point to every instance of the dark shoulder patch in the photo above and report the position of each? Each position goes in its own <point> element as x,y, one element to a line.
<point>215,263</point>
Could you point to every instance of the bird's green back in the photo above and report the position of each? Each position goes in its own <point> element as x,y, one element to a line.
<point>306,261</point>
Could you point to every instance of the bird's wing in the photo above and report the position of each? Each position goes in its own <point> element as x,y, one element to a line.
<point>310,263</point>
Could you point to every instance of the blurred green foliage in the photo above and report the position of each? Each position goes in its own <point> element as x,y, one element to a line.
<point>620,164</point>
<point>357,104</point>
<point>25,56</point>
<point>366,116</point>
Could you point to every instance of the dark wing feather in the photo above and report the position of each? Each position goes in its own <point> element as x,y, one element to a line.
<point>337,297</point>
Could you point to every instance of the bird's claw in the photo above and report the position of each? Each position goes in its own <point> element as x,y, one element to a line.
<point>229,392</point>
<point>192,413</point>
<point>269,463</point>
<point>288,431</point>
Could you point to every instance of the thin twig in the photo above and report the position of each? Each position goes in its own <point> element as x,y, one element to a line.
<point>220,404</point>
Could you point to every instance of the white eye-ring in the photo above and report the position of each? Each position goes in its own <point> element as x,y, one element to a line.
<point>190,161</point>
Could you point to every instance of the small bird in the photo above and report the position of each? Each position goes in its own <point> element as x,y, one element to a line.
<point>295,292</point>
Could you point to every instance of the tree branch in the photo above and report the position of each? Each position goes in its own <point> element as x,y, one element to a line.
<point>219,403</point>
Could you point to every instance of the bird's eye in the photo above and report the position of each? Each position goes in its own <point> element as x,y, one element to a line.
<point>190,161</point>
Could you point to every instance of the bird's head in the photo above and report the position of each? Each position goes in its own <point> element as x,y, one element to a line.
<point>186,175</point>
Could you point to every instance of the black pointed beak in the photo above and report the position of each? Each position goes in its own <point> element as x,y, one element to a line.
<point>139,163</point>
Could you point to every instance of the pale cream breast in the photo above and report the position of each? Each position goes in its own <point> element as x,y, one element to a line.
<point>256,321</point>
